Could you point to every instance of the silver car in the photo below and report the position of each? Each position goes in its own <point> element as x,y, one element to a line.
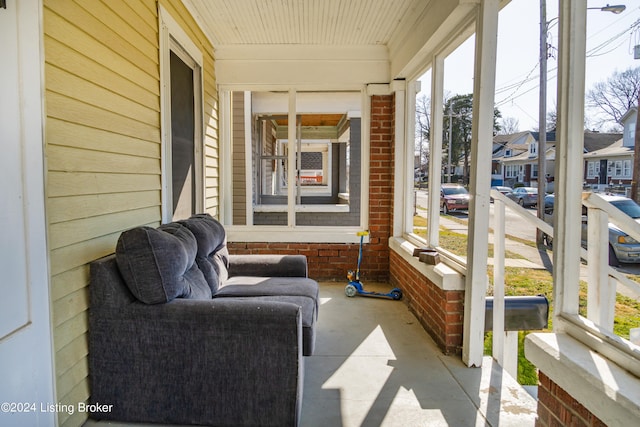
<point>524,196</point>
<point>622,247</point>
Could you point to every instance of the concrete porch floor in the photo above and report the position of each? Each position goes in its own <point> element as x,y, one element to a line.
<point>374,365</point>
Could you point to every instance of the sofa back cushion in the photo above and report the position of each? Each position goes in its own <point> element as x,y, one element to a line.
<point>213,256</point>
<point>159,265</point>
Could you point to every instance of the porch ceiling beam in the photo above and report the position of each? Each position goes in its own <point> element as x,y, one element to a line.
<point>310,132</point>
<point>480,176</point>
<point>297,65</point>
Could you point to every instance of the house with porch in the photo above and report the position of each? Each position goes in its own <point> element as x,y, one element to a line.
<point>516,158</point>
<point>292,123</point>
<point>609,164</point>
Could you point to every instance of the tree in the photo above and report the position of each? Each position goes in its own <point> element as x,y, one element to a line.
<point>509,125</point>
<point>423,128</point>
<point>458,110</point>
<point>612,98</point>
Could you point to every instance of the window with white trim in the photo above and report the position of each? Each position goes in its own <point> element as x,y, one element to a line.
<point>626,168</point>
<point>593,169</point>
<point>299,165</point>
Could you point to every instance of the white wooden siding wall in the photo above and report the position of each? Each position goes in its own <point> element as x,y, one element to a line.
<point>103,152</point>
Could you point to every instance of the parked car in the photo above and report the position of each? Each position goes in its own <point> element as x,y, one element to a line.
<point>453,197</point>
<point>622,247</point>
<point>504,190</point>
<point>525,196</point>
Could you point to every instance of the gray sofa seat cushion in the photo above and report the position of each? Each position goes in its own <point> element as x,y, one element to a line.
<point>301,291</point>
<point>244,286</point>
<point>158,265</point>
<point>212,256</point>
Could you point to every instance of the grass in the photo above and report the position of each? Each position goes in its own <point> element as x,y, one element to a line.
<point>525,281</point>
<point>452,241</point>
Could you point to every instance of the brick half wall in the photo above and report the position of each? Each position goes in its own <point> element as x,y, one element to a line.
<point>440,312</point>
<point>556,407</point>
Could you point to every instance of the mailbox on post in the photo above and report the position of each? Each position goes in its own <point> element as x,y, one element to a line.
<point>521,313</point>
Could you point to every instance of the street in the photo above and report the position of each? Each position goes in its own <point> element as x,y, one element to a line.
<point>514,226</point>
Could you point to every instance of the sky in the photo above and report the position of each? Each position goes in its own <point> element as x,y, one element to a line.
<point>610,43</point>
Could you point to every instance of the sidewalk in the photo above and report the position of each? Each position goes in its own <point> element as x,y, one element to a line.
<point>532,257</point>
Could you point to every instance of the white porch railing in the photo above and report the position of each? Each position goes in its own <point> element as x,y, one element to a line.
<point>603,283</point>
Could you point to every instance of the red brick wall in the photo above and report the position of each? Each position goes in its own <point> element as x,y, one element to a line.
<point>557,408</point>
<point>332,261</point>
<point>440,312</point>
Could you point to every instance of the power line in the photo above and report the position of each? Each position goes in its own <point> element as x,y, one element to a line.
<point>594,52</point>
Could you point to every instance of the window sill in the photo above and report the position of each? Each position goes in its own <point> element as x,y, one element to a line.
<point>443,276</point>
<point>283,234</point>
<point>607,390</point>
<point>303,208</point>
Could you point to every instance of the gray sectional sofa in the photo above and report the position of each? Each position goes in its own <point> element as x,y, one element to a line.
<point>181,332</point>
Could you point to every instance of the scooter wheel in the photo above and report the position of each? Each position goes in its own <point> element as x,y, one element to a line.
<point>396,294</point>
<point>350,291</point>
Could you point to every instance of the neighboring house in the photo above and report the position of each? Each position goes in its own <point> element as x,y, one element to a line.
<point>516,158</point>
<point>609,157</point>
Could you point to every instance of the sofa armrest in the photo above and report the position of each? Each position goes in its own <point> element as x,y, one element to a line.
<point>210,362</point>
<point>268,265</point>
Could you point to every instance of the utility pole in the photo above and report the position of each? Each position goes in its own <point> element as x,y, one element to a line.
<point>450,142</point>
<point>636,159</point>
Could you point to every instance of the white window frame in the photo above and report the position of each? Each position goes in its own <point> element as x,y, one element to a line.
<point>174,39</point>
<point>292,233</point>
<point>618,168</point>
<point>593,169</point>
<point>626,168</point>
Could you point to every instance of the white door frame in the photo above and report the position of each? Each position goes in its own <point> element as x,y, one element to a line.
<point>174,39</point>
<point>26,349</point>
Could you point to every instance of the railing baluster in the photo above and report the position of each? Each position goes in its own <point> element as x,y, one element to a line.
<point>498,349</point>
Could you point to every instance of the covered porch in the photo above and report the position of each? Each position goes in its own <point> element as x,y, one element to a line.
<point>301,134</point>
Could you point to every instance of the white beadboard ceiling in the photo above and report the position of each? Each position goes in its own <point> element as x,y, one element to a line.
<point>331,42</point>
<point>307,22</point>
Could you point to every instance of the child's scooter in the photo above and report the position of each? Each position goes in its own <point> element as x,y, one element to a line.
<point>355,287</point>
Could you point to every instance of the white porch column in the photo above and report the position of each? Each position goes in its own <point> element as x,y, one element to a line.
<point>480,182</point>
<point>292,173</point>
<point>435,150</point>
<point>403,181</point>
<point>568,184</point>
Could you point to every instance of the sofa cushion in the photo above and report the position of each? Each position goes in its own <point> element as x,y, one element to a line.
<point>244,286</point>
<point>158,265</point>
<point>212,256</point>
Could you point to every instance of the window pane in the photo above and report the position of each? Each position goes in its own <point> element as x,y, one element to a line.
<point>318,163</point>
